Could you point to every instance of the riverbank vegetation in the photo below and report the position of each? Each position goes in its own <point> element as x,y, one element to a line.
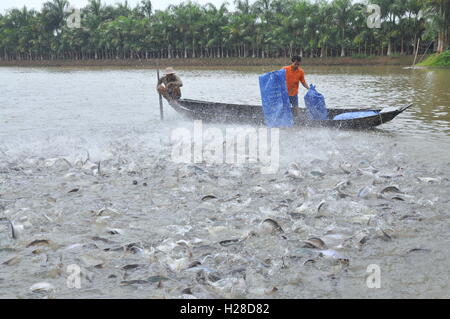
<point>438,59</point>
<point>216,63</point>
<point>253,29</point>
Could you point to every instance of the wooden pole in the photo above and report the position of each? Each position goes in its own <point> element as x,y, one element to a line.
<point>421,58</point>
<point>161,110</point>
<point>417,51</point>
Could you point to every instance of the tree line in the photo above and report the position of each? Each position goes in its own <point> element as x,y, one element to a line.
<point>259,29</point>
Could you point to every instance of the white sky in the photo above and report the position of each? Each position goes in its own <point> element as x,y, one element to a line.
<point>157,4</point>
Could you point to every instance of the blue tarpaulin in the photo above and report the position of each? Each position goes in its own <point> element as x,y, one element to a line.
<point>315,104</point>
<point>275,99</point>
<point>354,115</point>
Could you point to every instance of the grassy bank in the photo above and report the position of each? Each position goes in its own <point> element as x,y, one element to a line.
<point>438,60</point>
<point>224,62</point>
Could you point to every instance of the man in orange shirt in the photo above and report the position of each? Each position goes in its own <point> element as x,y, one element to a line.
<point>294,76</point>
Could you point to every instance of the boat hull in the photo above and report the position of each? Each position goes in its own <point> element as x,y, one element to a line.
<point>252,114</point>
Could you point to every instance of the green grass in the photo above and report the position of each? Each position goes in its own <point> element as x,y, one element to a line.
<point>442,60</point>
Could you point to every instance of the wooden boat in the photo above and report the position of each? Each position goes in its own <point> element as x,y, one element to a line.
<point>253,114</point>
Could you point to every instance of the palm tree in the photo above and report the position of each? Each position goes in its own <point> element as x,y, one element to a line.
<point>95,8</point>
<point>240,28</point>
<point>412,24</point>
<point>343,14</point>
<point>55,13</point>
<point>266,28</point>
<point>146,8</point>
<point>122,9</point>
<point>440,10</point>
<point>215,20</point>
<point>327,31</point>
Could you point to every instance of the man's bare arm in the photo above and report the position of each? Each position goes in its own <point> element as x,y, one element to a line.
<point>305,85</point>
<point>160,81</point>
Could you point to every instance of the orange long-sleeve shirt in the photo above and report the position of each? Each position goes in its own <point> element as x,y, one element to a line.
<point>293,78</point>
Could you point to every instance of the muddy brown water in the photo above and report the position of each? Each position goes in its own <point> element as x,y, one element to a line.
<point>145,227</point>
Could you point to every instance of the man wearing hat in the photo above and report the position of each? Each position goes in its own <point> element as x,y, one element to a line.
<point>169,85</point>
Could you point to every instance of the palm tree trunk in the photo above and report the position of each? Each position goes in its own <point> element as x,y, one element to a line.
<point>402,50</point>
<point>441,42</point>
<point>443,36</point>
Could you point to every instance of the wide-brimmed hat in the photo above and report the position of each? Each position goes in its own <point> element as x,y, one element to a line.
<point>169,70</point>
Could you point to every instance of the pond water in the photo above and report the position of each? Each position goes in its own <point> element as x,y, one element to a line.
<point>87,179</point>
